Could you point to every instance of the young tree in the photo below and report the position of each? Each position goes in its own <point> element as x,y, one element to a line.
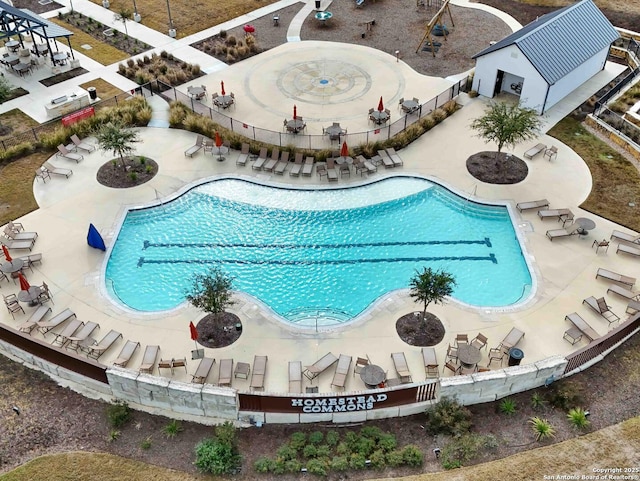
<point>507,124</point>
<point>5,89</point>
<point>431,286</point>
<point>115,137</point>
<point>124,15</point>
<point>211,292</point>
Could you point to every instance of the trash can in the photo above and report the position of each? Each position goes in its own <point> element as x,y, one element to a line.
<point>93,94</point>
<point>515,356</point>
<point>317,4</point>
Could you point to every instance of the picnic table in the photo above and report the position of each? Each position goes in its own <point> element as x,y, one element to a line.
<point>379,116</point>
<point>372,375</point>
<point>295,125</point>
<point>224,101</point>
<point>410,106</point>
<point>322,17</point>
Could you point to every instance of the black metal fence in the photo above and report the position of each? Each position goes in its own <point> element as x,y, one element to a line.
<point>301,140</point>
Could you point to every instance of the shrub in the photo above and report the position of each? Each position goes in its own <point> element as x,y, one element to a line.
<point>216,457</point>
<point>317,467</point>
<point>172,429</point>
<point>223,34</point>
<point>279,466</point>
<point>342,448</point>
<point>357,461</point>
<point>412,456</point>
<point>316,437</point>
<point>507,406</point>
<point>371,432</point>
<point>339,463</point>
<point>146,443</point>
<point>133,176</point>
<point>286,452</point>
<point>140,62</point>
<point>537,401</point>
<point>263,465</point>
<point>365,446</point>
<point>473,93</point>
<point>578,418</point>
<point>230,58</point>
<point>448,417</point>
<point>451,464</point>
<point>164,54</point>
<point>122,69</point>
<point>146,59</point>
<point>131,63</point>
<point>323,451</point>
<point>298,440</point>
<point>331,438</point>
<point>114,434</point>
<point>542,428</point>
<point>465,448</point>
<point>378,459</point>
<point>439,115</point>
<point>565,396</point>
<point>395,458</point>
<point>231,40</point>
<point>310,451</point>
<point>118,414</point>
<point>292,466</point>
<point>387,442</point>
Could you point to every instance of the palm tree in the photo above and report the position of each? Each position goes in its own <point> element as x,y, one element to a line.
<point>123,15</point>
<point>115,137</point>
<point>431,286</point>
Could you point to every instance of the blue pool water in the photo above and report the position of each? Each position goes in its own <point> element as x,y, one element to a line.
<point>317,254</point>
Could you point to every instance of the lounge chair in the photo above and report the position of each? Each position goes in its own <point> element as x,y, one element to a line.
<point>332,174</point>
<point>313,371</point>
<point>361,362</point>
<point>69,330</point>
<point>244,155</point>
<point>295,376</point>
<point>296,168</point>
<point>53,170</point>
<point>533,204</point>
<point>17,244</point>
<point>307,168</point>
<point>512,339</point>
<point>395,158</point>
<point>18,236</point>
<point>33,320</point>
<point>551,153</point>
<point>601,307</point>
<point>262,158</point>
<point>32,258</point>
<point>149,359</point>
<point>225,372</point>
<point>535,150</point>
<point>614,276</point>
<point>126,353</point>
<point>82,145</point>
<point>619,236</point>
<point>342,370</point>
<point>386,160</point>
<point>622,292</point>
<point>259,372</point>
<point>628,250</point>
<point>45,326</point>
<point>65,154</point>
<point>196,147</point>
<point>582,326</point>
<point>281,166</point>
<point>430,362</point>
<point>573,229</point>
<point>560,214</point>
<point>96,350</point>
<point>633,307</point>
<point>271,163</point>
<point>43,174</point>
<point>82,335</point>
<point>400,364</point>
<point>201,374</point>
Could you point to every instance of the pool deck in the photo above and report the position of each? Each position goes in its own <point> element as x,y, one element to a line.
<point>564,270</point>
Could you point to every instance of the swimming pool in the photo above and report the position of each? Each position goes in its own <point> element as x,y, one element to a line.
<point>317,255</point>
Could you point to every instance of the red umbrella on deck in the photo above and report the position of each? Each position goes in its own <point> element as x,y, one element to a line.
<point>380,105</point>
<point>222,87</point>
<point>24,284</point>
<point>295,112</point>
<point>6,254</point>
<point>344,151</point>
<point>194,333</point>
<point>218,140</point>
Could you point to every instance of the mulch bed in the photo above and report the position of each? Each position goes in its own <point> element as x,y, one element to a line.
<point>16,93</point>
<point>219,330</point>
<point>415,331</point>
<point>35,6</point>
<point>61,77</point>
<point>494,168</point>
<point>115,176</point>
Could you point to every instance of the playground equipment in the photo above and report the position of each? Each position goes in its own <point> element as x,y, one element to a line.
<point>436,21</point>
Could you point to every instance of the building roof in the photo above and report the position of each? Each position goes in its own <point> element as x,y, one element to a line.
<point>560,41</point>
<point>53,30</point>
<point>15,20</point>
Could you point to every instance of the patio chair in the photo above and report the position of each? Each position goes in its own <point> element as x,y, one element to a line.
<point>94,351</point>
<point>321,170</point>
<point>313,371</point>
<point>172,364</point>
<point>271,163</point>
<point>395,158</point>
<point>430,361</point>
<point>43,174</point>
<point>598,244</point>
<point>17,244</point>
<point>582,325</point>
<point>244,155</point>
<point>512,339</point>
<point>452,354</point>
<point>360,363</point>
<point>342,371</point>
<point>601,307</point>
<point>13,306</point>
<point>496,353</point>
<point>69,330</point>
<point>33,320</point>
<point>386,160</point>
<point>66,154</point>
<point>551,153</point>
<point>573,229</point>
<point>296,168</point>
<point>259,372</point>
<point>452,367</point>
<point>242,370</point>
<point>191,151</point>
<point>480,341</point>
<point>633,251</point>
<point>620,236</point>
<point>225,370</point>
<point>81,144</point>
<point>295,376</point>
<point>82,335</point>
<point>45,294</point>
<point>400,364</point>
<point>332,174</point>
<point>126,353</point>
<point>307,168</point>
<point>614,276</point>
<point>533,151</point>
<point>262,158</point>
<point>344,169</point>
<point>53,170</point>
<point>45,326</point>
<point>149,359</point>
<point>533,204</point>
<point>201,374</point>
<point>461,339</point>
<point>281,166</point>
<point>622,292</point>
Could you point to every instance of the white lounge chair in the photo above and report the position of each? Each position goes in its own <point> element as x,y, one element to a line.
<point>313,371</point>
<point>244,155</point>
<point>196,147</point>
<point>634,251</point>
<point>573,229</point>
<point>282,164</point>
<point>614,276</point>
<point>582,326</point>
<point>307,168</point>
<point>259,372</point>
<point>81,144</point>
<point>533,151</point>
<point>620,236</point>
<point>296,168</point>
<point>342,370</point>
<point>534,204</point>
<point>260,161</point>
<point>622,292</point>
<point>53,170</point>
<point>395,158</point>
<point>601,307</point>
<point>66,154</point>
<point>295,376</point>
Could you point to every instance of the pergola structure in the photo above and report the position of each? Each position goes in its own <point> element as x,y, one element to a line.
<point>19,22</point>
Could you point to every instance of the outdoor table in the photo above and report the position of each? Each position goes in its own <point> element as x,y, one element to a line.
<point>323,17</point>
<point>12,59</point>
<point>379,117</point>
<point>12,45</point>
<point>372,375</point>
<point>21,68</point>
<point>60,58</point>
<point>585,225</point>
<point>341,160</point>
<point>335,131</point>
<point>410,106</point>
<point>468,354</point>
<point>295,125</point>
<point>223,101</point>
<point>30,296</point>
<point>10,267</point>
<point>196,92</point>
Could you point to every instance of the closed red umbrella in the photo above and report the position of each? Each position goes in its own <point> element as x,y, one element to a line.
<point>218,140</point>
<point>24,284</point>
<point>6,254</point>
<point>194,333</point>
<point>222,87</point>
<point>380,105</point>
<point>295,112</point>
<point>344,151</point>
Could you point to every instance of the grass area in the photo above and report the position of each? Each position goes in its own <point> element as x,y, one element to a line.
<point>17,121</point>
<point>615,446</point>
<point>100,52</point>
<point>104,89</point>
<point>616,181</point>
<point>16,181</point>
<point>189,16</point>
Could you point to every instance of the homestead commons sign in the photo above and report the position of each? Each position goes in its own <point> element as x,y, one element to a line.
<point>338,404</point>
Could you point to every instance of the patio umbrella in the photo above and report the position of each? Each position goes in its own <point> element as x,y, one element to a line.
<point>295,112</point>
<point>344,151</point>
<point>222,87</point>
<point>194,333</point>
<point>6,254</point>
<point>380,105</point>
<point>218,141</point>
<point>248,28</point>
<point>24,284</point>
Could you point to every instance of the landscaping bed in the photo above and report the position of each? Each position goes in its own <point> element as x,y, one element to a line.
<point>229,48</point>
<point>164,67</point>
<point>61,77</point>
<point>137,170</point>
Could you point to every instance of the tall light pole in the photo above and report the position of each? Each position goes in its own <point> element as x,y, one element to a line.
<point>136,15</point>
<point>172,31</point>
